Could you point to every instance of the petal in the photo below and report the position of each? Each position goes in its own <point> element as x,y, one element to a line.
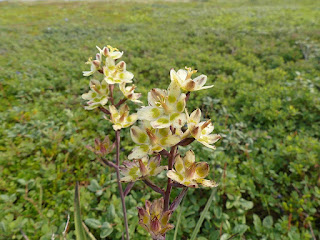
<point>200,81</point>
<point>207,183</point>
<point>182,73</point>
<point>166,228</point>
<point>139,152</point>
<point>87,73</point>
<point>149,113</point>
<point>169,140</point>
<point>162,122</point>
<point>202,170</point>
<point>173,92</point>
<point>213,138</point>
<point>189,158</point>
<point>206,144</point>
<point>175,77</point>
<point>195,116</point>
<point>115,54</point>
<point>165,217</point>
<point>138,135</point>
<point>175,176</point>
<point>181,104</point>
<point>178,165</point>
<point>179,121</point>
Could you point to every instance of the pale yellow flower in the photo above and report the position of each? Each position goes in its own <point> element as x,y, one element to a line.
<point>140,168</point>
<point>154,219</point>
<point>189,173</point>
<point>165,107</point>
<point>183,78</point>
<point>109,51</point>
<point>151,140</point>
<point>116,73</point>
<point>201,131</point>
<point>94,65</point>
<point>98,95</point>
<point>121,118</point>
<point>129,93</point>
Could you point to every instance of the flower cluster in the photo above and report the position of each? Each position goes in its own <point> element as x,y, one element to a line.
<point>165,124</point>
<point>101,91</point>
<point>154,219</point>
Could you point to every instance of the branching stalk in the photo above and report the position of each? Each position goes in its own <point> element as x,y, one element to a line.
<point>119,184</point>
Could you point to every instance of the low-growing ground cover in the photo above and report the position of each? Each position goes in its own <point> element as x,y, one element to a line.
<point>263,59</point>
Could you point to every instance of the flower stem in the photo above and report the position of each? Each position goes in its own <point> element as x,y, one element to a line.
<point>119,184</point>
<point>169,185</point>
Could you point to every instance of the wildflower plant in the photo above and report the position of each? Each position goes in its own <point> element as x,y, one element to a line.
<point>165,125</point>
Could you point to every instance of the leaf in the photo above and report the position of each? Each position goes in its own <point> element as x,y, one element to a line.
<point>106,230</point>
<point>93,223</point>
<point>80,232</point>
<point>240,228</point>
<point>94,186</point>
<point>246,204</point>
<point>267,222</point>
<point>111,212</point>
<point>203,214</point>
<point>217,211</point>
<point>257,223</point>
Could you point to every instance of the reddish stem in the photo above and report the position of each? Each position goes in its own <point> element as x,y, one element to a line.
<point>119,184</point>
<point>169,185</point>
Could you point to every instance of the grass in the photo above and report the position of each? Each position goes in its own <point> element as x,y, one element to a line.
<point>263,58</point>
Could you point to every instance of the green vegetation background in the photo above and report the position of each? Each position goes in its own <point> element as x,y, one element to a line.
<point>263,58</point>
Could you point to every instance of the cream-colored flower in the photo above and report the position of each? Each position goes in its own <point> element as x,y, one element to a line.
<point>140,168</point>
<point>154,219</point>
<point>151,140</point>
<point>94,65</point>
<point>121,118</point>
<point>201,130</point>
<point>165,107</point>
<point>109,51</point>
<point>116,73</point>
<point>183,78</point>
<point>98,95</point>
<point>189,173</point>
<point>129,93</point>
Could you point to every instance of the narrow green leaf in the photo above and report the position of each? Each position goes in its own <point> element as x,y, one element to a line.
<point>80,232</point>
<point>203,214</point>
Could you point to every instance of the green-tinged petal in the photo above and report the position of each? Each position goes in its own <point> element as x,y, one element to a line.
<point>175,176</point>
<point>127,179</point>
<point>167,228</point>
<point>207,183</point>
<point>165,217</point>
<point>180,106</point>
<point>158,170</point>
<point>202,170</point>
<point>162,122</point>
<point>179,121</point>
<point>149,113</point>
<point>139,152</point>
<point>195,116</point>
<point>213,138</point>
<point>189,158</point>
<point>179,166</point>
<point>138,135</point>
<point>206,144</point>
<point>175,77</point>
<point>169,141</point>
<point>173,92</point>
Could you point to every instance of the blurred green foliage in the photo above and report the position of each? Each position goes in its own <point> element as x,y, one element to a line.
<point>263,58</point>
